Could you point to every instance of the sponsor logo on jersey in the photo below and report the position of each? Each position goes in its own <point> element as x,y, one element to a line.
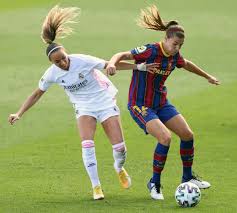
<point>42,79</point>
<point>162,72</point>
<point>167,70</point>
<point>75,87</point>
<point>63,81</point>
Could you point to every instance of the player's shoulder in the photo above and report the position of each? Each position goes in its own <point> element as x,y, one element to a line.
<point>47,75</point>
<point>87,61</point>
<point>52,72</point>
<point>82,57</point>
<point>143,48</point>
<point>81,60</point>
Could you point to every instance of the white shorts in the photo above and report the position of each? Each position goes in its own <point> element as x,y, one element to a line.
<point>100,115</point>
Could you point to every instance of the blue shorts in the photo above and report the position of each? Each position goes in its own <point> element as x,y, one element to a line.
<point>142,114</point>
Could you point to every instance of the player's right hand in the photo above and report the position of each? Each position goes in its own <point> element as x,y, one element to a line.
<point>110,70</point>
<point>213,80</point>
<point>13,118</point>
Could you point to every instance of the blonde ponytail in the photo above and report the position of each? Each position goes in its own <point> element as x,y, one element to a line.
<point>56,23</point>
<point>150,19</point>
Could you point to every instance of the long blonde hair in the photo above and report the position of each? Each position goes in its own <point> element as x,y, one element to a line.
<point>56,25</point>
<point>150,19</point>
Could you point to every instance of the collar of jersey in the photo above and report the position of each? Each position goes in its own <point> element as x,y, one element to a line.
<point>163,51</point>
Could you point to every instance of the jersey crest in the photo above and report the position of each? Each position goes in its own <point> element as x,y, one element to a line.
<point>81,76</point>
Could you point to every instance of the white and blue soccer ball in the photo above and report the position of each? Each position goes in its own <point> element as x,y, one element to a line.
<point>187,194</point>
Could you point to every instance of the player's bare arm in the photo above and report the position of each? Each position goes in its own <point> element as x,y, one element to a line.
<point>116,63</point>
<point>29,102</point>
<point>121,56</point>
<point>191,67</point>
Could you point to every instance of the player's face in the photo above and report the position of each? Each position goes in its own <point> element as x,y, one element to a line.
<point>173,45</point>
<point>60,59</point>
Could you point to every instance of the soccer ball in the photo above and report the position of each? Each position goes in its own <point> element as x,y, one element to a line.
<point>187,194</point>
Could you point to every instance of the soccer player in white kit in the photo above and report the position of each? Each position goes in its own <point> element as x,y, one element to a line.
<point>90,91</point>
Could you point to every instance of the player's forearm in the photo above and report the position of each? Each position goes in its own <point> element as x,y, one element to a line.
<point>119,57</point>
<point>191,67</point>
<point>123,65</point>
<point>29,102</point>
<point>115,59</point>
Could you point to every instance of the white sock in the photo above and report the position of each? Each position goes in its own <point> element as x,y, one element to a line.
<point>119,154</point>
<point>90,162</point>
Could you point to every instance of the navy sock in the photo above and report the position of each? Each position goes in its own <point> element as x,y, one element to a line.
<point>187,154</point>
<point>159,159</point>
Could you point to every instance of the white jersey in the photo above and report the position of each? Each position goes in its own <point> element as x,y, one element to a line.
<point>87,87</point>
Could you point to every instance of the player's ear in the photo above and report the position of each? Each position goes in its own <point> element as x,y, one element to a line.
<point>64,50</point>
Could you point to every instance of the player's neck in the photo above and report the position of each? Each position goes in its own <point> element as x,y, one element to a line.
<point>164,49</point>
<point>69,62</point>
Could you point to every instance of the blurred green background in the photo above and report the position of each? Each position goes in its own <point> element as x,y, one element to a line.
<point>41,166</point>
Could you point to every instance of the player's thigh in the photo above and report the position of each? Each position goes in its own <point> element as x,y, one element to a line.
<point>180,127</point>
<point>157,129</point>
<point>148,120</point>
<point>113,129</point>
<point>86,125</point>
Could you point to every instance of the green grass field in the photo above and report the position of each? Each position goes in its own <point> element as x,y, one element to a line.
<point>41,169</point>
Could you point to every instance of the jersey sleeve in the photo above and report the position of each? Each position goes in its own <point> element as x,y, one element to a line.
<point>93,62</point>
<point>142,53</point>
<point>46,81</point>
<point>180,61</point>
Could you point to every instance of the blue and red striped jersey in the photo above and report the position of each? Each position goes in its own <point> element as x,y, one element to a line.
<point>147,89</point>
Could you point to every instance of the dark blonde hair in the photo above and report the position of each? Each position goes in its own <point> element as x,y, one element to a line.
<point>56,26</point>
<point>150,19</point>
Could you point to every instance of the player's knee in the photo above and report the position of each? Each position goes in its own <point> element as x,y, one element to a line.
<point>165,139</point>
<point>187,135</point>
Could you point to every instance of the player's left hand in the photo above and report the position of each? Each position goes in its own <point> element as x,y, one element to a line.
<point>153,67</point>
<point>213,80</point>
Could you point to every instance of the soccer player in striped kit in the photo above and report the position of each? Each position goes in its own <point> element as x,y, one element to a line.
<point>90,91</point>
<point>147,101</point>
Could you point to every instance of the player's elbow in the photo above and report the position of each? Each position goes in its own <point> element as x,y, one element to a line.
<point>187,64</point>
<point>37,93</point>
